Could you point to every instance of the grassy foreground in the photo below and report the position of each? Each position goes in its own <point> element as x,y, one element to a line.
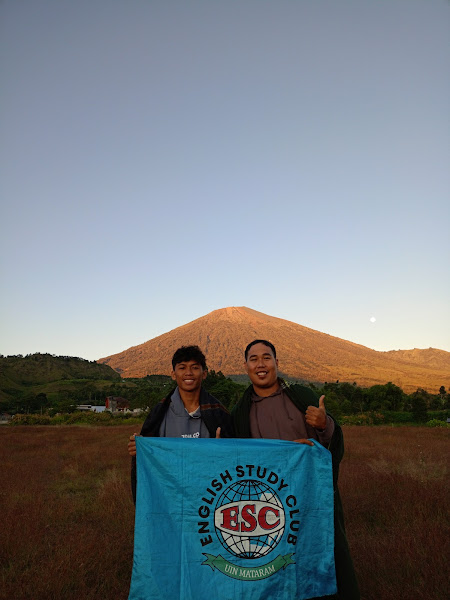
<point>67,515</point>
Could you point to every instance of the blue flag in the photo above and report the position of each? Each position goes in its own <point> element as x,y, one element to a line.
<point>232,518</point>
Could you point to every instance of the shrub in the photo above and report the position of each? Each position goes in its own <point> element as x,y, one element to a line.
<point>79,418</point>
<point>30,420</point>
<point>397,417</point>
<point>440,415</point>
<point>437,423</point>
<point>370,418</point>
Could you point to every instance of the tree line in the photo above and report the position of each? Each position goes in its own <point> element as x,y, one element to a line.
<point>351,399</point>
<point>341,399</point>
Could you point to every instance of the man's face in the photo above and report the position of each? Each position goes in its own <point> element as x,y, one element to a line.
<point>189,375</point>
<point>262,367</point>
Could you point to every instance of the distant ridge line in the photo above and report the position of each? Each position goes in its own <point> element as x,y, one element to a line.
<point>303,353</point>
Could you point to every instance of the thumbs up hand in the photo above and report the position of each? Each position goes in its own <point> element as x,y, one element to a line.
<point>317,417</point>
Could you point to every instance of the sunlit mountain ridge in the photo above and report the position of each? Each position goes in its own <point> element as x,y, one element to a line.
<point>303,353</point>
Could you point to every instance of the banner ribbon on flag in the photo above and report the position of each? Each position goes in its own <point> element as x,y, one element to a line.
<point>248,574</point>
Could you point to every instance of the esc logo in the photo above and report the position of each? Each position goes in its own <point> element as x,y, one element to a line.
<point>249,521</point>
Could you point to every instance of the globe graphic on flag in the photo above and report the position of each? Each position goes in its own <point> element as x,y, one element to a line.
<point>250,495</point>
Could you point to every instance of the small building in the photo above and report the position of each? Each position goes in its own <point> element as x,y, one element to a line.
<point>91,407</point>
<point>117,404</point>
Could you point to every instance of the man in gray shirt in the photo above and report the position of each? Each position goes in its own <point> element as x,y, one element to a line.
<point>188,411</point>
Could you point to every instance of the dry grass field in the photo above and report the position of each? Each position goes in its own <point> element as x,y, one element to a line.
<point>66,529</point>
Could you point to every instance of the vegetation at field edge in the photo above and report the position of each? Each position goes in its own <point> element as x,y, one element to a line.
<point>50,385</point>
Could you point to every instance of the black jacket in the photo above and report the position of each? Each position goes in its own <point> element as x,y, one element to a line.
<point>213,413</point>
<point>302,397</point>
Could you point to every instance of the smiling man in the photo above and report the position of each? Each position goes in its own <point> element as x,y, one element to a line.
<point>188,411</point>
<point>272,409</point>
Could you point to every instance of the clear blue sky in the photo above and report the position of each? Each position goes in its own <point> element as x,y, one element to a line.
<point>162,159</point>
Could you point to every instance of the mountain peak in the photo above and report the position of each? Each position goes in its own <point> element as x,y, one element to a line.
<point>303,353</point>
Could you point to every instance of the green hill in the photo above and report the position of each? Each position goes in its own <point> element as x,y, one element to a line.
<point>22,377</point>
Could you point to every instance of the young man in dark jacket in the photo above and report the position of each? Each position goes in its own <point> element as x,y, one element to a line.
<point>188,411</point>
<point>271,409</point>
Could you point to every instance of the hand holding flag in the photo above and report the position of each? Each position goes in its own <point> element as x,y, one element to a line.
<point>304,441</point>
<point>132,445</point>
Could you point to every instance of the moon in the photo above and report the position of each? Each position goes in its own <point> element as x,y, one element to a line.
<point>372,319</point>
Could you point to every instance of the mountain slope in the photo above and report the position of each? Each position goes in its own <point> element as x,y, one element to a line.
<point>303,353</point>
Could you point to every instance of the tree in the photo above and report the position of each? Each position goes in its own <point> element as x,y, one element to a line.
<point>385,397</point>
<point>42,401</point>
<point>223,388</point>
<point>444,398</point>
<point>418,403</point>
<point>65,403</point>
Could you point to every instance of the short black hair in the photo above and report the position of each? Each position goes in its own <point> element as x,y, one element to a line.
<point>186,353</point>
<point>265,342</point>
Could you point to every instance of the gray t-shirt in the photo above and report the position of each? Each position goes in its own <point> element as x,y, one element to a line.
<point>276,417</point>
<point>178,422</point>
